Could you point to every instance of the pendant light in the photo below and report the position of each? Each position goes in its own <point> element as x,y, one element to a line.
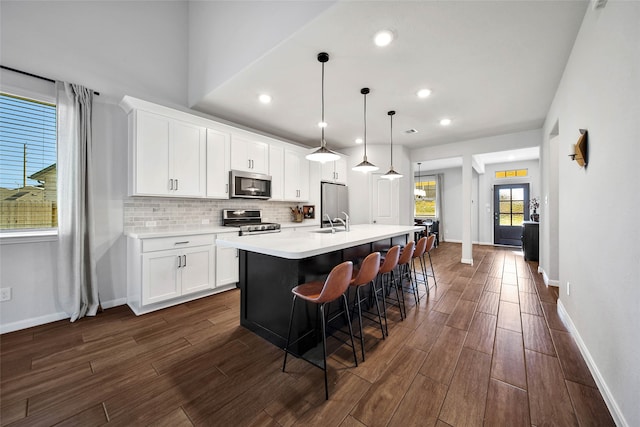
<point>419,191</point>
<point>365,166</point>
<point>322,154</point>
<point>392,174</point>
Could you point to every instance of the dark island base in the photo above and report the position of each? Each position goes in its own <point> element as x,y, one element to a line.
<point>266,282</point>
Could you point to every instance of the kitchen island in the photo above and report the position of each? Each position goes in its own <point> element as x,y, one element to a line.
<point>272,264</point>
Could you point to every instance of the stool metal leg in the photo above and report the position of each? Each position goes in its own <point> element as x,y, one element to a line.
<point>360,320</point>
<point>353,345</point>
<point>372,287</point>
<point>324,352</point>
<point>286,347</point>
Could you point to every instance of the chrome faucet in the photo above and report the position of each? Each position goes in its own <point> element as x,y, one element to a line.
<point>348,223</point>
<point>333,230</point>
<point>345,221</point>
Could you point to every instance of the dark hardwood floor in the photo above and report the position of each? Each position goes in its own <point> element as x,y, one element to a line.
<point>486,348</point>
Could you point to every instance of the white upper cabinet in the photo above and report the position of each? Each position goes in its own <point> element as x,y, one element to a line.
<point>334,171</point>
<point>249,154</point>
<point>167,156</point>
<point>218,163</point>
<point>296,176</point>
<point>277,171</point>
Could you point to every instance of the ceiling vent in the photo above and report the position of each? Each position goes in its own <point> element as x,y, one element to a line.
<point>411,131</point>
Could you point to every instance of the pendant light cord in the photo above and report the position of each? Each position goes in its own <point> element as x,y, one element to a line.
<point>391,139</point>
<point>322,142</point>
<point>365,126</point>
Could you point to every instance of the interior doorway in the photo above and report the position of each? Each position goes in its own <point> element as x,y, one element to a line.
<point>510,210</point>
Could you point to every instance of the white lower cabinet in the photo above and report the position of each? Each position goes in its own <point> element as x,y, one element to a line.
<point>227,265</point>
<point>165,271</point>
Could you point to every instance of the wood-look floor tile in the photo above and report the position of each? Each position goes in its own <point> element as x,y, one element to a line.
<point>378,405</point>
<point>261,420</point>
<point>351,422</point>
<point>460,283</point>
<point>376,364</point>
<point>421,404</point>
<point>448,302</point>
<point>407,363</point>
<point>461,316</point>
<point>508,358</point>
<point>552,316</point>
<point>442,358</point>
<point>488,303</point>
<point>509,316</point>
<point>482,333</point>
<point>425,336</point>
<point>529,303</point>
<point>536,334</point>
<point>467,395</point>
<point>93,416</point>
<point>472,292</point>
<point>549,400</point>
<point>506,406</point>
<point>526,285</point>
<point>509,279</point>
<point>12,411</point>
<point>591,409</point>
<point>509,293</point>
<point>494,284</point>
<point>573,365</point>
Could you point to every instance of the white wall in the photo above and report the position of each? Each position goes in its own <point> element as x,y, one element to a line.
<point>599,234</point>
<point>116,48</point>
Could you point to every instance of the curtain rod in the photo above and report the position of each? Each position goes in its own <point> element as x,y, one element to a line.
<point>34,75</point>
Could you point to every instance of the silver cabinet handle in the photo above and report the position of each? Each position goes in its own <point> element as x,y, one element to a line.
<point>185,261</point>
<point>176,184</point>
<point>179,261</point>
<point>226,188</point>
<point>171,184</point>
<point>181,243</point>
<point>249,163</point>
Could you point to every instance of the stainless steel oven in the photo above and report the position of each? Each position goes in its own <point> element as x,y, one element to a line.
<point>248,185</point>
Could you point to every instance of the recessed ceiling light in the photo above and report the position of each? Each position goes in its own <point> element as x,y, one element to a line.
<point>445,122</point>
<point>264,98</point>
<point>358,140</point>
<point>322,124</point>
<point>424,93</point>
<point>383,38</point>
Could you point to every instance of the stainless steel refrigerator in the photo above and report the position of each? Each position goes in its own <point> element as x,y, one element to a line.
<point>334,200</point>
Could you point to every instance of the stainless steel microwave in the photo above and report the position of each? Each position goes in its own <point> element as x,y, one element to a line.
<point>248,185</point>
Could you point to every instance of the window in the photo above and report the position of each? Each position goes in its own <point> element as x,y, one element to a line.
<point>512,173</point>
<point>425,197</point>
<point>28,148</point>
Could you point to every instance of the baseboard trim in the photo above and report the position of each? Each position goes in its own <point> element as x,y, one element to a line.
<point>34,321</point>
<point>547,281</point>
<point>467,261</point>
<point>616,413</point>
<point>113,303</point>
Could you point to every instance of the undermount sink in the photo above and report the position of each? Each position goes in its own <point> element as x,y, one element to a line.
<point>327,230</point>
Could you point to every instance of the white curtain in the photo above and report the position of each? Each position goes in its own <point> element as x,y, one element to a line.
<point>440,205</point>
<point>77,284</point>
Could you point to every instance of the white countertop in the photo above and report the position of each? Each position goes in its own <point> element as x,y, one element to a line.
<point>306,243</point>
<point>211,229</point>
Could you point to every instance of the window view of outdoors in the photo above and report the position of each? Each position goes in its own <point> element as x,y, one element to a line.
<point>511,206</point>
<point>425,197</point>
<point>27,163</point>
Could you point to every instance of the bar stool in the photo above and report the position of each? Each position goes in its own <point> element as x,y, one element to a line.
<point>323,293</point>
<point>418,258</point>
<point>368,271</point>
<point>431,243</point>
<point>404,270</point>
<point>387,272</point>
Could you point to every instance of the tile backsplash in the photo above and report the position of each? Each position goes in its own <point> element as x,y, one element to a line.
<point>188,214</point>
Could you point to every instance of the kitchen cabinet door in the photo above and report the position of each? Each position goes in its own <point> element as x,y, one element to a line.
<point>218,164</point>
<point>188,159</point>
<point>227,266</point>
<point>296,176</point>
<point>335,171</point>
<point>277,172</point>
<point>160,280</point>
<point>151,151</point>
<point>196,273</point>
<point>249,155</point>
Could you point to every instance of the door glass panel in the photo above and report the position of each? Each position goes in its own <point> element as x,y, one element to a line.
<point>505,207</point>
<point>505,194</point>
<point>517,194</point>
<point>517,219</point>
<point>517,207</point>
<point>505,219</point>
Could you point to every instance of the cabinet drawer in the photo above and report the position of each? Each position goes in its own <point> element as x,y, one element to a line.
<point>177,242</point>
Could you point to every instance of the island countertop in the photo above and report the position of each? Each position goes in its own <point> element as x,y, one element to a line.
<point>307,243</point>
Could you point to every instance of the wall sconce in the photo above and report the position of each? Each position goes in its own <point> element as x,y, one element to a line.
<point>581,153</point>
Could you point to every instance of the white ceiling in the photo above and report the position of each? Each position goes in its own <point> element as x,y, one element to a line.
<point>493,67</point>
<point>509,156</point>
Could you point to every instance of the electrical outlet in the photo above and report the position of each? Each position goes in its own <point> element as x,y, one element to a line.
<point>205,221</point>
<point>150,224</point>
<point>5,294</point>
<point>568,288</point>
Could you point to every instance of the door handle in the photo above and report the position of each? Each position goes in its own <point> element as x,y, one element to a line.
<point>495,216</point>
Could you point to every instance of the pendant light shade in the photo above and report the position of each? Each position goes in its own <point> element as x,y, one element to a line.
<point>365,166</point>
<point>323,154</point>
<point>392,174</point>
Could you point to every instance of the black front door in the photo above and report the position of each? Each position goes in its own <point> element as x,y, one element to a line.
<point>510,204</point>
